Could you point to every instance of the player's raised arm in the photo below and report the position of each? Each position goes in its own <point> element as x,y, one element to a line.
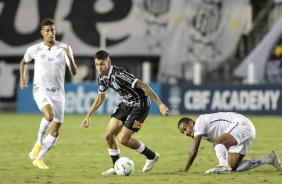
<point>72,66</point>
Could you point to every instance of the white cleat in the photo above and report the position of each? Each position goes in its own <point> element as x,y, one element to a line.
<point>275,160</point>
<point>219,170</point>
<point>111,171</point>
<point>150,163</point>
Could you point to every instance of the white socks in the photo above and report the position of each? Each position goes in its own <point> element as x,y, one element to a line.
<point>113,152</point>
<point>250,164</point>
<point>48,143</point>
<point>44,127</point>
<point>141,148</point>
<point>221,154</point>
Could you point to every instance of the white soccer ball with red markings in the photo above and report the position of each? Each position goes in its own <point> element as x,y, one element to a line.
<point>124,166</point>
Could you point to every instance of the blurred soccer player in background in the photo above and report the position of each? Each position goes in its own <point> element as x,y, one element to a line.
<point>231,134</point>
<point>50,60</point>
<point>130,114</point>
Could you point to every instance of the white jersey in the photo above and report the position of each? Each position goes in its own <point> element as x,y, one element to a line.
<point>49,66</point>
<point>211,126</point>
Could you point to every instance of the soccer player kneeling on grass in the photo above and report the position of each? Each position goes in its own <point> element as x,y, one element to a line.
<point>231,134</point>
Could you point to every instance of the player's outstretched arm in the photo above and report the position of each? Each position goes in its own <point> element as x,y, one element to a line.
<point>193,152</point>
<point>96,104</point>
<point>148,90</point>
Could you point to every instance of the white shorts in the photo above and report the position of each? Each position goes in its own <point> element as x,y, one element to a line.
<point>57,103</point>
<point>244,132</point>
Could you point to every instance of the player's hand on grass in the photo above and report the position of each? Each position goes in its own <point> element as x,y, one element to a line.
<point>85,122</point>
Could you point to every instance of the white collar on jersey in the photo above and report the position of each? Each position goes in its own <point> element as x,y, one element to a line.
<point>45,46</point>
<point>110,71</point>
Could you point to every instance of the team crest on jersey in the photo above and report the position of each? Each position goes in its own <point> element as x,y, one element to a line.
<point>59,55</point>
<point>137,124</point>
<point>44,100</point>
<point>42,56</point>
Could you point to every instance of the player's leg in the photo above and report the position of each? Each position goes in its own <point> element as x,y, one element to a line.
<point>48,144</point>
<point>272,159</point>
<point>133,124</point>
<point>112,130</point>
<point>221,146</point>
<point>43,128</point>
<point>244,133</point>
<point>126,139</point>
<point>43,102</point>
<point>54,113</point>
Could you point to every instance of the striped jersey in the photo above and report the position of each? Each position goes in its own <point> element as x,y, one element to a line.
<point>123,82</point>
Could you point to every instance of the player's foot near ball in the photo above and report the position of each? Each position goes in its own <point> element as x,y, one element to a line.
<point>275,160</point>
<point>150,163</point>
<point>219,170</point>
<point>111,171</point>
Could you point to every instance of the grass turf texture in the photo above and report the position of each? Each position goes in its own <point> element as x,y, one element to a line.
<point>80,155</point>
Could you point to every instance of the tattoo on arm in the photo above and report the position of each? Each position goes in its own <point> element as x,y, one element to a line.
<point>146,88</point>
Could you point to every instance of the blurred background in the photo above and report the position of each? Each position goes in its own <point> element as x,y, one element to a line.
<point>199,56</point>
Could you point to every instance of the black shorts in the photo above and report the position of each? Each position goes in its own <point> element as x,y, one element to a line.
<point>131,117</point>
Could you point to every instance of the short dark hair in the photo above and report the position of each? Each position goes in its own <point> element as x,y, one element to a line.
<point>101,55</point>
<point>184,120</point>
<point>47,22</point>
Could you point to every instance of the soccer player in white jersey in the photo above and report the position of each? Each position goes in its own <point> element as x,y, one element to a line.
<point>231,134</point>
<point>50,60</point>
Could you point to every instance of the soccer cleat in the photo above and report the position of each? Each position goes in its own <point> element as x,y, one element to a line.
<point>275,160</point>
<point>219,170</point>
<point>111,171</point>
<point>34,152</point>
<point>40,164</point>
<point>150,163</point>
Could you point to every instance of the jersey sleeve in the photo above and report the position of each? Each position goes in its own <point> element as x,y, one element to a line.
<point>199,128</point>
<point>29,54</point>
<point>103,83</point>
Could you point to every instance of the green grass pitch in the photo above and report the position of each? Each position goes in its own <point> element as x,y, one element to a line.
<point>80,155</point>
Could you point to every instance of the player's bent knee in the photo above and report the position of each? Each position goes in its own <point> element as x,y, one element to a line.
<point>109,138</point>
<point>54,133</point>
<point>124,141</point>
<point>49,117</point>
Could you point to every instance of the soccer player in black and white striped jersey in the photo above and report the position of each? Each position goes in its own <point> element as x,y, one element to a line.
<point>130,114</point>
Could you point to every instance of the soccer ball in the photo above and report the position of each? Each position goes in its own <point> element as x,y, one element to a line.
<point>124,166</point>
